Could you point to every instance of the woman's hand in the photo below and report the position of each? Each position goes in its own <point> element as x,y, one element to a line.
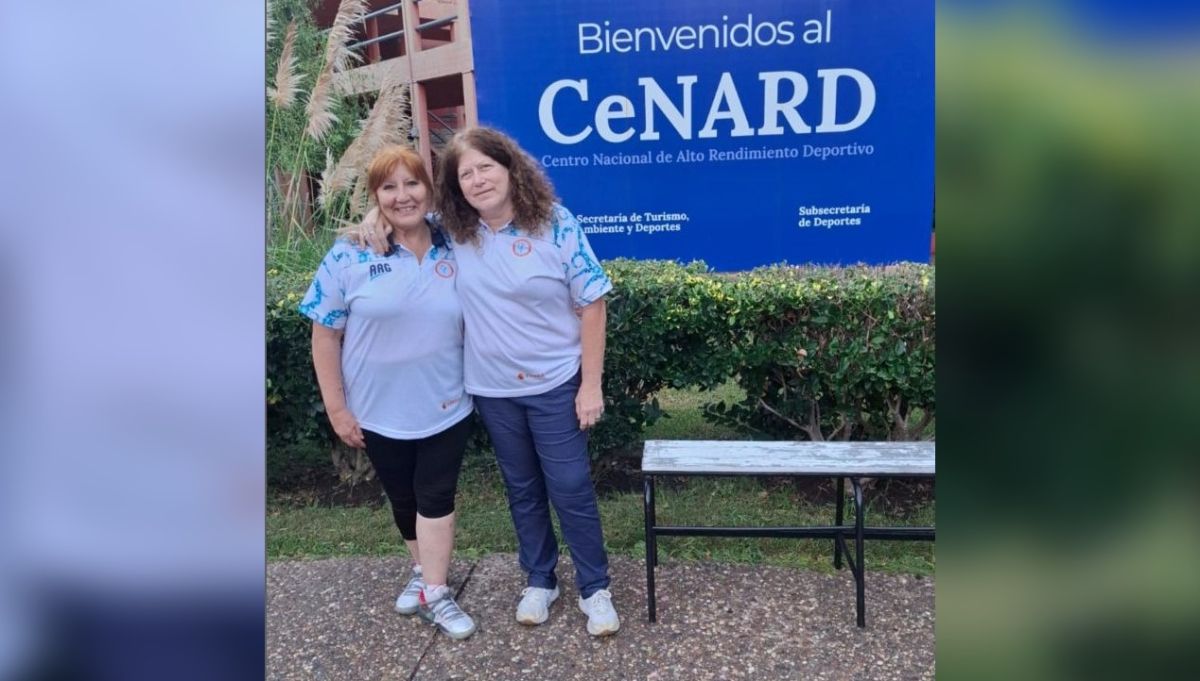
<point>589,405</point>
<point>346,427</point>
<point>372,231</point>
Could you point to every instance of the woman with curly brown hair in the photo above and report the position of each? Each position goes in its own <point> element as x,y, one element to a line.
<point>532,293</point>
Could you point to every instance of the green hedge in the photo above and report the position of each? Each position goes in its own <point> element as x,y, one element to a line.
<point>299,438</point>
<point>832,353</point>
<point>824,353</point>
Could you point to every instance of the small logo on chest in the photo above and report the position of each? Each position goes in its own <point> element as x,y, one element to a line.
<point>379,269</point>
<point>522,248</point>
<point>444,269</point>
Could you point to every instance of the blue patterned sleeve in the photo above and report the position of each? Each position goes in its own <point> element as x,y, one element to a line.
<point>325,301</point>
<point>585,277</point>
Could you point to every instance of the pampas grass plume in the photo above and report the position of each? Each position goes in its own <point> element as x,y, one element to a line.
<point>387,123</point>
<point>337,58</point>
<point>287,80</point>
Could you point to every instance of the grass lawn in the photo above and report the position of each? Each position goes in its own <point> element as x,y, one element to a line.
<point>484,525</point>
<point>685,418</point>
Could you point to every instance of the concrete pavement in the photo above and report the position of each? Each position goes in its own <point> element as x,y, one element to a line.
<point>332,620</point>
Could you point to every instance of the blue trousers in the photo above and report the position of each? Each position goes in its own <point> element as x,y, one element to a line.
<point>543,458</point>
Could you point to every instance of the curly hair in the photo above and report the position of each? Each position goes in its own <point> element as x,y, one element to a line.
<point>533,196</point>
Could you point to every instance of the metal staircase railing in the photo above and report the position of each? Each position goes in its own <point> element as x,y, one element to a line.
<point>428,25</point>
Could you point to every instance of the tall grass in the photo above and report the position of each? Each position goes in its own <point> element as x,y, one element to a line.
<point>293,251</point>
<point>307,131</point>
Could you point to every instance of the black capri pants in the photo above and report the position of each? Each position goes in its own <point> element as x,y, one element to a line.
<point>419,476</point>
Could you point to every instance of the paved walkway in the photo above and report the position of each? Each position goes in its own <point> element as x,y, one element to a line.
<point>332,620</point>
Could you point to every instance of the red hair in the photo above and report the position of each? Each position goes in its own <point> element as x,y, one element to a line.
<point>385,162</point>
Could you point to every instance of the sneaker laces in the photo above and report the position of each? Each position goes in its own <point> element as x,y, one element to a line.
<point>541,594</point>
<point>601,605</point>
<point>445,609</point>
<point>414,586</point>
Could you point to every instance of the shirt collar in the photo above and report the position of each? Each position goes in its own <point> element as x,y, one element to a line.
<point>437,236</point>
<point>508,228</point>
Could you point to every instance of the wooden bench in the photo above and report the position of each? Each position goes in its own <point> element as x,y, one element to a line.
<point>838,460</point>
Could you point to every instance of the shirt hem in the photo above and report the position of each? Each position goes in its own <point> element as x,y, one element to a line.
<point>524,391</point>
<point>417,435</point>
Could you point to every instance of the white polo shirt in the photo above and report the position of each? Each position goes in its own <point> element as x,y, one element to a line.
<point>402,353</point>
<point>519,295</point>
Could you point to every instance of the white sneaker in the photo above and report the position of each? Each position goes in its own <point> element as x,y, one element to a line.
<point>410,599</point>
<point>602,617</point>
<point>534,607</point>
<point>439,608</point>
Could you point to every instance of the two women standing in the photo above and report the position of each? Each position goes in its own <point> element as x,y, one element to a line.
<point>532,301</point>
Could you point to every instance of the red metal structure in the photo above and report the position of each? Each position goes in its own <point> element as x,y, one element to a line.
<point>425,43</point>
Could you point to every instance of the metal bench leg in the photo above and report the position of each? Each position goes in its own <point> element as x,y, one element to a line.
<point>838,519</point>
<point>651,543</point>
<point>860,574</point>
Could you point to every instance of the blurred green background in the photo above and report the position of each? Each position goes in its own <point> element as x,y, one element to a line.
<point>1068,234</point>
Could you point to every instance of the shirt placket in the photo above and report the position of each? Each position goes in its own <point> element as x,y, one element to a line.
<point>403,259</point>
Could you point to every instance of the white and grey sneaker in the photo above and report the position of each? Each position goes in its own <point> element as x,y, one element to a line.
<point>602,617</point>
<point>534,607</point>
<point>410,599</point>
<point>439,608</point>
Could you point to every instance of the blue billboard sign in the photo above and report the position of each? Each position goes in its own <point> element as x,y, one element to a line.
<point>738,132</point>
